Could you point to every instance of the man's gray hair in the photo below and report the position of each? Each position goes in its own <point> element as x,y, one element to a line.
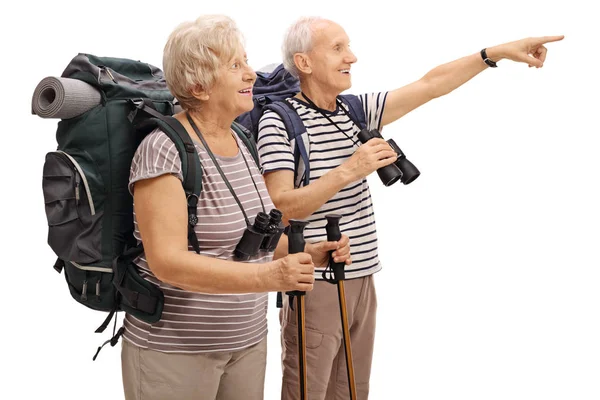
<point>298,39</point>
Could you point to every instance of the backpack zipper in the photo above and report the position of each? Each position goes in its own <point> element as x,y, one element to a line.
<point>84,289</point>
<point>85,182</point>
<point>110,75</point>
<point>77,184</point>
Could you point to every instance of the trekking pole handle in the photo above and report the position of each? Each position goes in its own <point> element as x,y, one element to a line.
<point>334,234</point>
<point>296,244</point>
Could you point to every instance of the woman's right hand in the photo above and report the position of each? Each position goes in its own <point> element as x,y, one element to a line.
<point>292,272</point>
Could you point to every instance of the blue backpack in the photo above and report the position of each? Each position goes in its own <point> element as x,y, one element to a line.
<point>269,93</point>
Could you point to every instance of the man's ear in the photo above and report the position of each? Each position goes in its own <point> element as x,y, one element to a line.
<point>303,63</point>
<point>199,93</point>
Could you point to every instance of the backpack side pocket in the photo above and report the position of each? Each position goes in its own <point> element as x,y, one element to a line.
<point>91,285</point>
<point>74,223</point>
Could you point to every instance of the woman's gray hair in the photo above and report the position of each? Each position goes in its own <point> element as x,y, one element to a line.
<point>298,39</point>
<point>194,52</point>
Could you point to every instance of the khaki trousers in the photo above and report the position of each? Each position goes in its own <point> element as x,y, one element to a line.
<point>326,359</point>
<point>154,375</point>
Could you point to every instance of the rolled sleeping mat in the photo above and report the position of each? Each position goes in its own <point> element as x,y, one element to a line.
<point>63,98</point>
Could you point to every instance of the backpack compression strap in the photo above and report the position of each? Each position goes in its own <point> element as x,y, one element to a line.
<point>190,164</point>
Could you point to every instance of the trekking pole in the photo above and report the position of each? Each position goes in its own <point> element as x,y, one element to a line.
<point>334,234</point>
<point>296,245</point>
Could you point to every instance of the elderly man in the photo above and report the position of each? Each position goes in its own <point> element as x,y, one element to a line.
<point>317,52</point>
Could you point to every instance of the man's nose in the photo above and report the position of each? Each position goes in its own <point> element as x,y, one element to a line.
<point>350,57</point>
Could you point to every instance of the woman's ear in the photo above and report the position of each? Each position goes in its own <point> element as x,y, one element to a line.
<point>199,93</point>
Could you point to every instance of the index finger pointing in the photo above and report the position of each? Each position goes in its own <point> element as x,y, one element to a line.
<point>548,39</point>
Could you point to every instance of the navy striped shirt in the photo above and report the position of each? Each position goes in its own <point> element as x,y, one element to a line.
<point>329,146</point>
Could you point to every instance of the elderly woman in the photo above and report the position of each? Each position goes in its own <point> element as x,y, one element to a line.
<point>211,340</point>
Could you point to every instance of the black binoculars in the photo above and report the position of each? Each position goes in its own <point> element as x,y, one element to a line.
<point>401,169</point>
<point>264,234</point>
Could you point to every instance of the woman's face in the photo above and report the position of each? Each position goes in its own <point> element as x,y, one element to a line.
<point>232,90</point>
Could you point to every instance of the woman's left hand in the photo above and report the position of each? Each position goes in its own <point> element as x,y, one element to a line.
<point>320,251</point>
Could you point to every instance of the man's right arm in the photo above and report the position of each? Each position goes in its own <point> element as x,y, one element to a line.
<point>302,202</point>
<point>277,159</point>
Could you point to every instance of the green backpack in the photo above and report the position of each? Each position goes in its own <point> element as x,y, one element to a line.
<point>85,183</point>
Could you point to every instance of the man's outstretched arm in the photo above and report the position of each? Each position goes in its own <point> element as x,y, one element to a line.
<point>445,78</point>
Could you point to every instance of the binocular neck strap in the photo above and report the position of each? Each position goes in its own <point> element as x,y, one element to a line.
<point>214,160</point>
<point>253,182</point>
<point>337,101</point>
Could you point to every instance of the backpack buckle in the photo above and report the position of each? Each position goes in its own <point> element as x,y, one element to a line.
<point>138,103</point>
<point>192,200</point>
<point>190,148</point>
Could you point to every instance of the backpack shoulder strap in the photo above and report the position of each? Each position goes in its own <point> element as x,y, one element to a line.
<point>190,163</point>
<point>355,107</point>
<point>246,136</point>
<point>291,120</point>
<point>296,131</point>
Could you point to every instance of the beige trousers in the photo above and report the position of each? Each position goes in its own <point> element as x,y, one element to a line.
<point>154,375</point>
<point>326,360</point>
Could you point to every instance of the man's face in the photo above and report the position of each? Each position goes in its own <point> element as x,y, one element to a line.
<point>331,57</point>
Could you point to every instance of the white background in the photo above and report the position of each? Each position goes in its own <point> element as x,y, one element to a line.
<point>490,287</point>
